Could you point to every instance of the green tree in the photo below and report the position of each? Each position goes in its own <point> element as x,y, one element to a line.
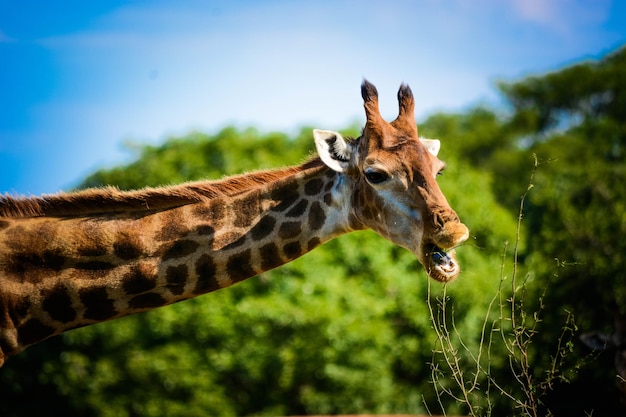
<point>573,121</point>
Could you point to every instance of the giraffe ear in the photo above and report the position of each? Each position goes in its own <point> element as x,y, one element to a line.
<point>334,150</point>
<point>432,145</point>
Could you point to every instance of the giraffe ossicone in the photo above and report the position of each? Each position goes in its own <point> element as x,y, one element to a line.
<point>74,259</point>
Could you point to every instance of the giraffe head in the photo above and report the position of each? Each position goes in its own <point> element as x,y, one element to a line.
<point>391,174</point>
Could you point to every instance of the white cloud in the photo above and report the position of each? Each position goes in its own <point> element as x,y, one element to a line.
<point>562,16</point>
<point>539,11</point>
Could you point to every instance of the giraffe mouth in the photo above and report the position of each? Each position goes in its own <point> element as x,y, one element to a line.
<point>440,264</point>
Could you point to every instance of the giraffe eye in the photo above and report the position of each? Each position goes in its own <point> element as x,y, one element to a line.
<point>375,176</point>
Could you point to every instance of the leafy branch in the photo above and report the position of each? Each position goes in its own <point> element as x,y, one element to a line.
<point>466,375</point>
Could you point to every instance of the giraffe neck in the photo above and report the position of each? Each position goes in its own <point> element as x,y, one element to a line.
<point>60,273</point>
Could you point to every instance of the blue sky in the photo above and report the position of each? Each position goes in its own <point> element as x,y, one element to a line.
<point>78,78</point>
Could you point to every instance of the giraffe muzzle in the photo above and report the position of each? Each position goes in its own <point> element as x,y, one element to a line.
<point>439,257</point>
<point>440,265</point>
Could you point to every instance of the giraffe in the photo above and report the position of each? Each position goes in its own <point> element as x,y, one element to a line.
<point>74,259</point>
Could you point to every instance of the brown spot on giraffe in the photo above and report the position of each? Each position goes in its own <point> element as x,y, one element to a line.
<point>206,271</point>
<point>270,258</point>
<point>58,304</point>
<point>204,230</point>
<point>146,301</point>
<point>314,186</point>
<point>240,266</point>
<point>176,277</point>
<point>212,212</point>
<point>138,280</point>
<point>246,210</point>
<point>263,228</point>
<point>289,230</point>
<point>173,226</point>
<point>328,199</point>
<point>33,330</point>
<point>298,209</point>
<point>98,267</point>
<point>97,304</point>
<point>75,259</point>
<point>317,216</point>
<point>285,197</point>
<point>127,246</point>
<point>292,250</point>
<point>313,243</point>
<point>180,249</point>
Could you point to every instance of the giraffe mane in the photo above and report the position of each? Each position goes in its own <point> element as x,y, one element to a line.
<point>112,200</point>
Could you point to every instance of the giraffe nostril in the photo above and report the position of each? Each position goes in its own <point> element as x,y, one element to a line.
<point>438,221</point>
<point>451,234</point>
<point>443,216</point>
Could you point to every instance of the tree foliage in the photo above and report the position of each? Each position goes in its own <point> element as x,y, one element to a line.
<point>573,120</point>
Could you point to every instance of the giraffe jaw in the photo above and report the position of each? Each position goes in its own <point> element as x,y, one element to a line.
<point>440,264</point>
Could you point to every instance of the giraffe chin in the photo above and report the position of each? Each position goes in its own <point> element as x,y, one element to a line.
<point>440,265</point>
